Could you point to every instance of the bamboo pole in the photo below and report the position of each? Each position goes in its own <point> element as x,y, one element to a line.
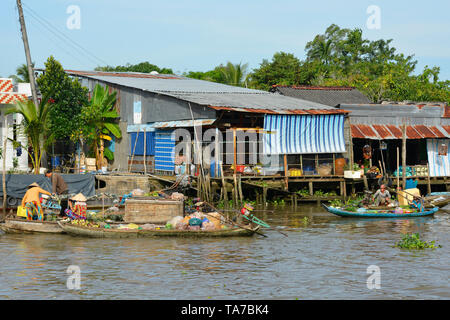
<point>225,193</point>
<point>398,169</point>
<point>404,156</point>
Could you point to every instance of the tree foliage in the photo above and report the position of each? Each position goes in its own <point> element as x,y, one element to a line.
<point>231,74</point>
<point>35,125</point>
<point>100,121</point>
<point>143,67</point>
<point>342,57</point>
<point>22,75</point>
<point>68,96</point>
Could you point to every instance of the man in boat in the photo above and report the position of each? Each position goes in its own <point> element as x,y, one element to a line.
<point>382,196</point>
<point>32,203</point>
<point>247,212</point>
<point>59,187</point>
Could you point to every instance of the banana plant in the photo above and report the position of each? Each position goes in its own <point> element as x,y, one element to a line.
<point>100,119</point>
<point>35,125</point>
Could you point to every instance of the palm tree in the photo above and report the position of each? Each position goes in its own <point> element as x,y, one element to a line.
<point>22,74</point>
<point>35,125</point>
<point>322,50</point>
<point>100,120</point>
<point>235,74</point>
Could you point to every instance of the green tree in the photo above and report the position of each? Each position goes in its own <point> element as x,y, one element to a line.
<point>100,121</point>
<point>284,69</point>
<point>69,97</point>
<point>35,125</point>
<point>143,67</point>
<point>22,74</point>
<point>235,74</point>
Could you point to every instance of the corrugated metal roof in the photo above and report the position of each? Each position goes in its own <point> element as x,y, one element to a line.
<point>386,132</point>
<point>330,96</point>
<point>211,94</point>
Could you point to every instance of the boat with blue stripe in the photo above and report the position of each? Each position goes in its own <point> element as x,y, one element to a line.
<point>379,213</point>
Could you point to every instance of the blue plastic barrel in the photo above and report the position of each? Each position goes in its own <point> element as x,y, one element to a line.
<point>56,161</point>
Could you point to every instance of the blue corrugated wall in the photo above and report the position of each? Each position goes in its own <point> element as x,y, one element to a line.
<point>164,150</point>
<point>150,141</point>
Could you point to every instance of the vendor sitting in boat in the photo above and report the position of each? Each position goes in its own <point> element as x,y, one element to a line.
<point>382,197</point>
<point>32,203</point>
<point>417,203</point>
<point>77,207</point>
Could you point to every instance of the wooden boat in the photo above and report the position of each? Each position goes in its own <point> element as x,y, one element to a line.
<point>438,199</point>
<point>92,232</point>
<point>27,226</point>
<point>379,213</point>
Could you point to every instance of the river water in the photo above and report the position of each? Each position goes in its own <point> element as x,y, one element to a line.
<point>322,257</point>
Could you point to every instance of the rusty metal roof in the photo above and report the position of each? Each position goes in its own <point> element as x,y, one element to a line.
<point>385,132</point>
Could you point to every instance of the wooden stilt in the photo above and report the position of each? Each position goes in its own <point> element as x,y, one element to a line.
<point>311,188</point>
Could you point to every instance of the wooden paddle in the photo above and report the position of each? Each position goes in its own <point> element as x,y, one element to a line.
<point>240,213</point>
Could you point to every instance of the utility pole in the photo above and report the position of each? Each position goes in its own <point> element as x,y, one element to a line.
<point>27,52</point>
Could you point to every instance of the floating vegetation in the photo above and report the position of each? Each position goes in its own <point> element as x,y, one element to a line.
<point>412,241</point>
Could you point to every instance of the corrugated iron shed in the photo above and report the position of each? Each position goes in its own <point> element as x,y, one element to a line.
<point>214,95</point>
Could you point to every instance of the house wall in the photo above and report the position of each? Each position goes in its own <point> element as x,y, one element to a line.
<point>6,123</point>
<point>154,108</point>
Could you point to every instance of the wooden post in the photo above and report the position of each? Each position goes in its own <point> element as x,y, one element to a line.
<point>428,179</point>
<point>265,196</point>
<point>224,186</point>
<point>235,198</point>
<point>4,171</point>
<point>145,151</point>
<point>404,156</point>
<point>366,184</point>
<point>286,173</point>
<point>241,195</point>
<point>311,189</point>
<point>398,169</point>
<point>334,164</point>
<point>234,151</point>
<point>301,163</point>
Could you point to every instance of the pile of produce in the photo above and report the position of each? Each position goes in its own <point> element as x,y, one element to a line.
<point>198,221</point>
<point>85,223</point>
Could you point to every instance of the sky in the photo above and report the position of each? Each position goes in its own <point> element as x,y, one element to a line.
<point>197,35</point>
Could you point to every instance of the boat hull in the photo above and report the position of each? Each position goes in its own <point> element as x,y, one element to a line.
<point>26,226</point>
<point>343,213</point>
<point>111,233</point>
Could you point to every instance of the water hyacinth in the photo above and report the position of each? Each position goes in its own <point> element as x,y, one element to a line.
<point>412,241</point>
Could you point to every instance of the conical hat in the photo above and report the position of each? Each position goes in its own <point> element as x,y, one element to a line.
<point>34,184</point>
<point>79,197</point>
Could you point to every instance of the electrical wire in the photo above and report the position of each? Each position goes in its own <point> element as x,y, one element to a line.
<point>63,36</point>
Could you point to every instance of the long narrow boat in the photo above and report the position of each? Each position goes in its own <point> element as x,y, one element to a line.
<point>92,232</point>
<point>378,213</point>
<point>27,226</point>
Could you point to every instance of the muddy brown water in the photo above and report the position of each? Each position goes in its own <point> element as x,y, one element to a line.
<point>323,257</point>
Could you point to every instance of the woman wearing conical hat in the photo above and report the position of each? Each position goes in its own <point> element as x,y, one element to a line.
<point>77,207</point>
<point>32,203</point>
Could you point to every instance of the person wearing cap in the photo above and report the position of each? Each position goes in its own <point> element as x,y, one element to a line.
<point>59,187</point>
<point>382,196</point>
<point>77,207</point>
<point>32,203</point>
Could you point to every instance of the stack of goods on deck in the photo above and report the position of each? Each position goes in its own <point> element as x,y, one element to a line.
<point>198,221</point>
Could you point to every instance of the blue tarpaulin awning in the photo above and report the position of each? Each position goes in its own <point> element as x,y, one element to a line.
<point>303,134</point>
